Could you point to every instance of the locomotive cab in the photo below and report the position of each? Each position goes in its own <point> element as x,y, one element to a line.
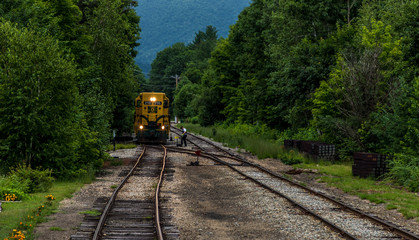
<point>152,120</point>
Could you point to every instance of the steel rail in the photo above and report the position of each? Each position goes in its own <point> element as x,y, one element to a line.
<point>339,230</point>
<point>389,226</point>
<point>157,217</point>
<point>111,201</point>
<point>304,209</point>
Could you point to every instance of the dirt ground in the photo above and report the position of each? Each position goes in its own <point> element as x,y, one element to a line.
<point>208,202</point>
<point>212,202</point>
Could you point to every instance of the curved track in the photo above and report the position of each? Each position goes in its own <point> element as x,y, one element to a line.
<point>351,223</point>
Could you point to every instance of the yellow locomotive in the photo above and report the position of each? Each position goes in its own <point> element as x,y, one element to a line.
<point>152,120</point>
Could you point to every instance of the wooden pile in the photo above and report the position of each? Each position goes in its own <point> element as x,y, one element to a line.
<point>365,164</point>
<point>314,149</point>
<point>369,165</point>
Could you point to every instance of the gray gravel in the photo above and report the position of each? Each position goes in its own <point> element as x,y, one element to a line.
<point>351,223</point>
<point>251,212</point>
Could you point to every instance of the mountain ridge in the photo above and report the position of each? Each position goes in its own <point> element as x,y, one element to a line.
<point>165,22</point>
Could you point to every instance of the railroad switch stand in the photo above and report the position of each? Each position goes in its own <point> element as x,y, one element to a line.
<point>196,163</point>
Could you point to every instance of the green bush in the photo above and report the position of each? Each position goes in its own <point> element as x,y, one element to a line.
<point>14,185</point>
<point>194,120</point>
<point>404,169</point>
<point>291,157</point>
<point>39,180</point>
<point>19,194</point>
<point>258,140</point>
<point>14,182</point>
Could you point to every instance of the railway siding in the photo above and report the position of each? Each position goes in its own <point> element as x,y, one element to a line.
<point>350,222</point>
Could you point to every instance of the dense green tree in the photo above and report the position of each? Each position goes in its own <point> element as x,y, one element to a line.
<point>100,36</point>
<point>360,85</point>
<point>185,61</point>
<point>108,84</point>
<point>218,80</point>
<point>185,100</point>
<point>303,54</point>
<point>39,116</point>
<point>344,71</point>
<point>210,101</point>
<point>199,51</point>
<point>249,43</point>
<point>168,64</point>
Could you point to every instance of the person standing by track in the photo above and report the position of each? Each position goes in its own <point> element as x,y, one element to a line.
<point>184,135</point>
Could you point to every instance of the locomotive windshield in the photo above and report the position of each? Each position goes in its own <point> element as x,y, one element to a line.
<point>148,103</point>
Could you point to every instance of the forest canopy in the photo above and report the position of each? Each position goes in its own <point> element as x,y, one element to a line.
<point>343,72</point>
<point>67,77</point>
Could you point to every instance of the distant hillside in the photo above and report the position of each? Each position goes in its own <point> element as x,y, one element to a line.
<point>165,22</point>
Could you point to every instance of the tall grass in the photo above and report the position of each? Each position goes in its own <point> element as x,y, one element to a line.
<point>256,140</point>
<point>263,148</point>
<point>121,146</point>
<point>405,171</point>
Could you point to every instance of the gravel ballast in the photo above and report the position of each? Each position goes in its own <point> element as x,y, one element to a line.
<point>212,202</point>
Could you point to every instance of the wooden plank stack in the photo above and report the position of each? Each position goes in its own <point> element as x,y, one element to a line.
<point>314,149</point>
<point>324,151</point>
<point>288,143</point>
<point>369,165</point>
<point>365,164</point>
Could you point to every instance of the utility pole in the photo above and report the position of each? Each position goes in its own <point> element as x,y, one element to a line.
<point>177,77</point>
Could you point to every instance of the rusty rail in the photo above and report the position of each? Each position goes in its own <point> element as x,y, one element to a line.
<point>111,201</point>
<point>157,217</point>
<point>389,226</point>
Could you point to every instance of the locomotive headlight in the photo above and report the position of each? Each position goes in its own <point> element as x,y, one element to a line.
<point>153,99</point>
<point>141,127</point>
<point>162,127</point>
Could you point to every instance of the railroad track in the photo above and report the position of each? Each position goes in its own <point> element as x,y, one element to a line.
<point>349,222</point>
<point>128,217</point>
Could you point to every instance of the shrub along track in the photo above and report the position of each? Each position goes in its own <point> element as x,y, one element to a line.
<point>128,217</point>
<point>351,223</point>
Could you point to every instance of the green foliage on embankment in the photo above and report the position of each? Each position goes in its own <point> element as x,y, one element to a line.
<point>344,73</point>
<point>67,77</point>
